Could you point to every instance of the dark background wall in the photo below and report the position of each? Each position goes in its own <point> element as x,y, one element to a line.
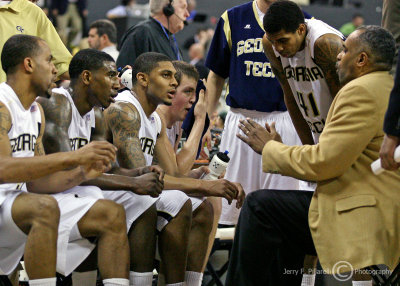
<point>334,16</point>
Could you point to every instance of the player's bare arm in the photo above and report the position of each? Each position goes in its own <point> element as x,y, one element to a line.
<point>64,180</point>
<point>123,119</point>
<point>15,170</point>
<point>150,183</point>
<point>187,155</point>
<point>326,49</point>
<point>302,128</point>
<point>58,114</point>
<point>215,83</point>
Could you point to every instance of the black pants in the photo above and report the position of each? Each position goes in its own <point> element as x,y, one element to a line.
<point>271,240</point>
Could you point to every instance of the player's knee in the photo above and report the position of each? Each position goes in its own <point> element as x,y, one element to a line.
<point>185,214</point>
<point>111,216</point>
<point>45,211</point>
<point>203,217</point>
<point>150,215</point>
<point>216,203</point>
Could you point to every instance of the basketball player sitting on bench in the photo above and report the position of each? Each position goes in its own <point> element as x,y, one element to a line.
<point>138,132</point>
<point>35,219</point>
<point>74,119</point>
<point>173,115</point>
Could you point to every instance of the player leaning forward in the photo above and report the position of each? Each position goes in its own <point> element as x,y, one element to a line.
<point>74,118</point>
<point>33,219</point>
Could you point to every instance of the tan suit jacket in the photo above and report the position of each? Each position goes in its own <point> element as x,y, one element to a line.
<point>354,215</point>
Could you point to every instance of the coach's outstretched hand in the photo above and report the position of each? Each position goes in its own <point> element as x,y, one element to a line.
<point>257,136</point>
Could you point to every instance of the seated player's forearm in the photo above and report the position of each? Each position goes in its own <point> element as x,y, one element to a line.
<point>187,155</point>
<point>185,184</point>
<point>126,172</point>
<point>15,170</point>
<point>111,182</point>
<point>57,182</point>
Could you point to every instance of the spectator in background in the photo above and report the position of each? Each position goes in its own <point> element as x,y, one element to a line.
<point>196,55</point>
<point>103,37</point>
<point>220,122</point>
<point>192,9</point>
<point>356,21</point>
<point>69,11</point>
<point>24,17</point>
<point>129,8</point>
<point>156,34</point>
<point>199,37</point>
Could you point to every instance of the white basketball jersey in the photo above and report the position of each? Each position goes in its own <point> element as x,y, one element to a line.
<point>173,132</point>
<point>80,129</point>
<point>307,80</point>
<point>25,128</point>
<point>150,127</point>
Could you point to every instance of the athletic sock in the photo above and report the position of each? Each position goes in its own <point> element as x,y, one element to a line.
<point>161,279</point>
<point>87,278</point>
<point>308,280</point>
<point>116,282</point>
<point>43,282</point>
<point>193,278</point>
<point>362,283</point>
<point>140,278</point>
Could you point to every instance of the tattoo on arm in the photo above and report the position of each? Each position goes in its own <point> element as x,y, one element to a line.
<point>5,120</point>
<point>57,111</point>
<point>5,126</point>
<point>326,49</point>
<point>123,120</point>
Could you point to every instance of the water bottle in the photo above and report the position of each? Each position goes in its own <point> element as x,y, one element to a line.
<point>217,166</point>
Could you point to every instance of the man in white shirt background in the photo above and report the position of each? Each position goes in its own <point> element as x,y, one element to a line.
<point>103,37</point>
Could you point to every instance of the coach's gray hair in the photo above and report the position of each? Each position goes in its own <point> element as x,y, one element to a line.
<point>379,43</point>
<point>156,6</point>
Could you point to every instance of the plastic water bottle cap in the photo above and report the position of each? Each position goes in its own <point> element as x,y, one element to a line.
<point>226,152</point>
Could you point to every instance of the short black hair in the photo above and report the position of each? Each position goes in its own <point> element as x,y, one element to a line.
<point>16,49</point>
<point>87,59</point>
<point>283,15</point>
<point>106,27</point>
<point>183,68</point>
<point>356,15</point>
<point>146,62</point>
<point>379,43</point>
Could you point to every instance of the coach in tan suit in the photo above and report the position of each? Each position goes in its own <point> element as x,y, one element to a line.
<point>353,216</point>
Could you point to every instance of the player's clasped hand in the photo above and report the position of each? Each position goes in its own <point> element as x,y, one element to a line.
<point>257,136</point>
<point>150,184</point>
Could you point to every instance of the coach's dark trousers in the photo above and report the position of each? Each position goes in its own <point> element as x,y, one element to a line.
<point>271,240</point>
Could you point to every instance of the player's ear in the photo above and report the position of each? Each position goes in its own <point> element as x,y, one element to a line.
<point>302,29</point>
<point>142,79</point>
<point>28,64</point>
<point>86,77</point>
